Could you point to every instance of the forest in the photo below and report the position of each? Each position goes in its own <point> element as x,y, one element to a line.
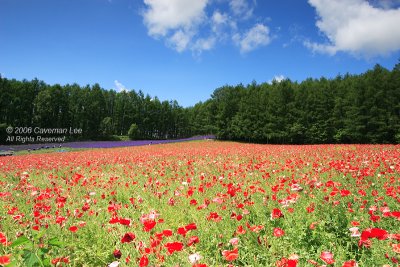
<point>363,108</point>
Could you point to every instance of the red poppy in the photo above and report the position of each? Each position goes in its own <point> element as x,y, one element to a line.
<point>230,255</point>
<point>144,261</point>
<point>240,230</point>
<point>125,221</point>
<point>174,246</point>
<point>351,263</point>
<point>117,254</point>
<point>327,257</point>
<point>182,231</point>
<point>73,229</point>
<point>148,225</point>
<point>276,213</point>
<point>377,233</point>
<point>5,260</point>
<point>396,248</point>
<point>167,232</point>
<point>285,262</point>
<point>3,239</point>
<point>191,226</point>
<point>278,232</point>
<point>128,237</point>
<point>193,240</point>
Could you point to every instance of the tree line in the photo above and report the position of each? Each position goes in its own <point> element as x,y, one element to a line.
<point>101,114</point>
<point>361,108</point>
<point>347,109</point>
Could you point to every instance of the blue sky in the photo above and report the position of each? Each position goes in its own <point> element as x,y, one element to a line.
<point>185,49</point>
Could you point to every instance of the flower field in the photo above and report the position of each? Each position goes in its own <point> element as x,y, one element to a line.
<point>202,203</point>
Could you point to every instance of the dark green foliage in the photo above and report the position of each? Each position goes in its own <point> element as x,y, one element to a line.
<point>133,132</point>
<point>348,109</point>
<point>101,114</point>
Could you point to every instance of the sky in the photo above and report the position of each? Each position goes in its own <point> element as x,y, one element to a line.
<point>185,49</point>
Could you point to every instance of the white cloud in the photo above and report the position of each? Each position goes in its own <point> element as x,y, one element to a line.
<point>387,4</point>
<point>161,16</point>
<point>219,21</point>
<point>204,44</point>
<point>180,40</point>
<point>241,8</point>
<point>253,38</point>
<point>356,27</point>
<point>277,78</point>
<point>119,87</point>
<point>195,26</point>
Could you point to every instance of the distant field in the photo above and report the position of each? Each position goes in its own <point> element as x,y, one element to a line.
<point>202,204</point>
<point>98,144</point>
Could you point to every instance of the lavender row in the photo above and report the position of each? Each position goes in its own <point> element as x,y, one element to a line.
<point>100,144</point>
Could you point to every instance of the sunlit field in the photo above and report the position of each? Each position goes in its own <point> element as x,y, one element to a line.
<point>203,203</point>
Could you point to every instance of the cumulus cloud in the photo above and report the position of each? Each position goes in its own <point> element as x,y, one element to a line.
<point>162,16</point>
<point>257,36</point>
<point>385,3</point>
<point>119,87</point>
<point>356,27</point>
<point>241,8</point>
<point>194,26</point>
<point>204,44</point>
<point>278,78</point>
<point>180,40</point>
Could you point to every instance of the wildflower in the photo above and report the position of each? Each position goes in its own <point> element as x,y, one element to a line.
<point>114,264</point>
<point>278,232</point>
<point>327,257</point>
<point>128,237</point>
<point>354,232</point>
<point>230,255</point>
<point>194,258</point>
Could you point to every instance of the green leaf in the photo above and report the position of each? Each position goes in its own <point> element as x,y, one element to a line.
<point>46,262</point>
<point>42,251</point>
<point>30,259</point>
<point>39,235</point>
<point>22,240</point>
<point>55,242</point>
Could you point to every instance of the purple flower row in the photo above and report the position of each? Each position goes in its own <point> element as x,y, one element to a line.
<point>100,144</point>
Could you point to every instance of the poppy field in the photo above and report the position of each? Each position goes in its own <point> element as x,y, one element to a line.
<point>203,203</point>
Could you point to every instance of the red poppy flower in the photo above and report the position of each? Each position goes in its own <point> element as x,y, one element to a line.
<point>3,239</point>
<point>327,257</point>
<point>278,232</point>
<point>377,233</point>
<point>396,248</point>
<point>128,237</point>
<point>125,221</point>
<point>276,213</point>
<point>174,246</point>
<point>351,263</point>
<point>5,260</point>
<point>73,229</point>
<point>117,254</point>
<point>191,226</point>
<point>182,231</point>
<point>230,255</point>
<point>240,230</point>
<point>167,232</point>
<point>193,240</point>
<point>144,261</point>
<point>148,225</point>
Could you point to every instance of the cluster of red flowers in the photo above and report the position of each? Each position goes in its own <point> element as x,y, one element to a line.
<point>160,203</point>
